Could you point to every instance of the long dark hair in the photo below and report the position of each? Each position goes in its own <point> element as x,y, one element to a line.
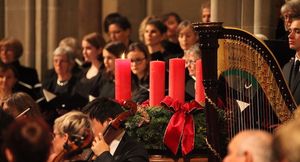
<point>139,46</point>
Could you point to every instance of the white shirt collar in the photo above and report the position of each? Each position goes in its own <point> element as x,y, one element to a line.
<point>115,143</point>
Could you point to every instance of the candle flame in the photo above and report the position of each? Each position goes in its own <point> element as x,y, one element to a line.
<point>123,56</point>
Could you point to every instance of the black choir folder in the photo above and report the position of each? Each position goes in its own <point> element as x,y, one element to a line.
<point>68,102</point>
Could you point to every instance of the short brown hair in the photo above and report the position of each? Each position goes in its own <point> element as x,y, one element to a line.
<point>29,139</point>
<point>14,44</point>
<point>95,39</point>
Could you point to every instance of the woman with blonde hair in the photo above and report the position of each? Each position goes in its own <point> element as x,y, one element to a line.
<point>72,136</point>
<point>187,37</point>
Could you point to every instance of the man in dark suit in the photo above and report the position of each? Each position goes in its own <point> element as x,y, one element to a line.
<point>122,148</point>
<point>291,69</point>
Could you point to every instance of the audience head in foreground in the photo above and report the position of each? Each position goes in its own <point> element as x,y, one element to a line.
<point>28,139</point>
<point>286,144</point>
<point>250,146</point>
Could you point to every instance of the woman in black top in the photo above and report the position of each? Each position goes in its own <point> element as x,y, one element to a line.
<point>11,49</point>
<point>139,57</point>
<point>154,34</point>
<point>106,87</point>
<point>62,84</point>
<point>190,62</point>
<point>92,46</point>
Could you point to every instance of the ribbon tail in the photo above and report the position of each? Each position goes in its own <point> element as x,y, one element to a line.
<point>188,138</point>
<point>174,132</point>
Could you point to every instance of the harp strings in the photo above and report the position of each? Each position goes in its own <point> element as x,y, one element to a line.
<point>246,105</point>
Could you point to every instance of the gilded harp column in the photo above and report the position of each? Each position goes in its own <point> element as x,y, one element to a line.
<point>208,37</point>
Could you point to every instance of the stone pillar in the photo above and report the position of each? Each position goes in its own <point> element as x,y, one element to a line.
<point>247,15</point>
<point>29,37</point>
<point>226,11</point>
<point>89,16</point>
<point>262,17</point>
<point>214,9</point>
<point>14,22</point>
<point>108,7</point>
<point>52,29</point>
<point>41,40</point>
<point>140,8</point>
<point>136,17</point>
<point>154,7</point>
<point>2,18</point>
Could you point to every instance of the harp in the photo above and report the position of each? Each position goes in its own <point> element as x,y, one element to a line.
<point>245,75</point>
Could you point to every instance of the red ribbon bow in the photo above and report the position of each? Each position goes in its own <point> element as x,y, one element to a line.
<point>181,125</point>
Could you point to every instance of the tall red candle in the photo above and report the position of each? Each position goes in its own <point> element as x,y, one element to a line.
<point>177,79</point>
<point>199,92</point>
<point>157,82</point>
<point>122,79</point>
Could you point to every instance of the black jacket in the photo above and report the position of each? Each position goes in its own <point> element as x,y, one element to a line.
<point>128,151</point>
<point>295,85</point>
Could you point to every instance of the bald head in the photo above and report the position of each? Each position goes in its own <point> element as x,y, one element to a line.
<point>250,145</point>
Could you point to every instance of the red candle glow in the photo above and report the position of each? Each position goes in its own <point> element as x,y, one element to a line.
<point>199,92</point>
<point>177,79</point>
<point>157,82</point>
<point>122,79</point>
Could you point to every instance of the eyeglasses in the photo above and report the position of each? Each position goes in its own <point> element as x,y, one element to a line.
<point>137,60</point>
<point>190,62</point>
<point>287,16</point>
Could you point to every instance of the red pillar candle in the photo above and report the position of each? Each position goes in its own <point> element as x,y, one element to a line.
<point>177,79</point>
<point>199,92</point>
<point>157,82</point>
<point>122,79</point>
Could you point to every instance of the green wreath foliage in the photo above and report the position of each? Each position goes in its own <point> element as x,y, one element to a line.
<point>152,133</point>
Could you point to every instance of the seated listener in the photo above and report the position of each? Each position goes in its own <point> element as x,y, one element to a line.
<point>139,57</point>
<point>73,44</point>
<point>8,82</point>
<point>72,137</point>
<point>250,146</point>
<point>171,44</point>
<point>187,36</point>
<point>205,12</point>
<point>291,69</point>
<point>5,120</point>
<point>11,50</point>
<point>21,104</point>
<point>123,148</point>
<point>154,34</point>
<point>92,46</point>
<point>63,83</point>
<point>118,28</point>
<point>190,62</point>
<point>27,139</point>
<point>286,143</point>
<point>106,86</point>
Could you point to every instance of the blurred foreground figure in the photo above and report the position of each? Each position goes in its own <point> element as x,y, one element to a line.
<point>250,146</point>
<point>27,139</point>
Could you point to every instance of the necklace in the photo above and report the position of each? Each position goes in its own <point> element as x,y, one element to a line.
<point>62,83</point>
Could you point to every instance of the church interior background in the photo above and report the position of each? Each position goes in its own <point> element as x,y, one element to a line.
<point>40,24</point>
